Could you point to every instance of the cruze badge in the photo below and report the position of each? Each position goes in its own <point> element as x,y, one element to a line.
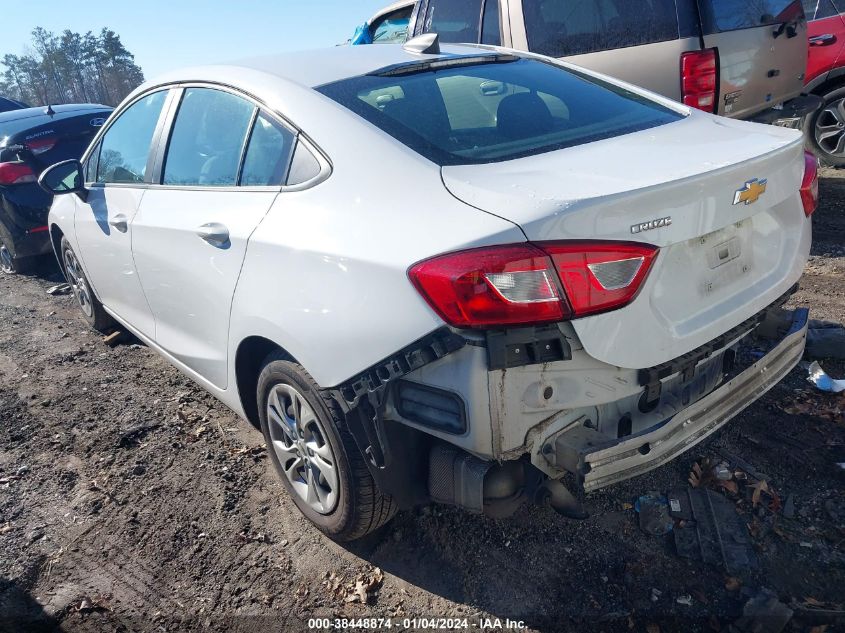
<point>751,191</point>
<point>650,226</point>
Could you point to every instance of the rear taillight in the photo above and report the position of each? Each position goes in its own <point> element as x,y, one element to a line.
<point>810,184</point>
<point>698,79</point>
<point>40,145</point>
<point>600,276</point>
<point>532,283</point>
<point>15,174</point>
<point>501,285</point>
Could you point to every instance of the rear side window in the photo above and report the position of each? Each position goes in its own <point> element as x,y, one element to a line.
<point>125,147</point>
<point>268,154</point>
<point>208,139</point>
<point>481,111</point>
<point>491,32</point>
<point>719,16</point>
<point>558,28</point>
<point>453,20</point>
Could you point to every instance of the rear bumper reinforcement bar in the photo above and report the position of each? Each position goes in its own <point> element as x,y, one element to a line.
<point>604,463</point>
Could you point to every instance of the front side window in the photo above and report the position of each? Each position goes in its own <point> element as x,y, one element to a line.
<point>719,16</point>
<point>391,28</point>
<point>493,108</point>
<point>559,28</point>
<point>208,138</point>
<point>125,147</point>
<point>819,9</point>
<point>268,154</point>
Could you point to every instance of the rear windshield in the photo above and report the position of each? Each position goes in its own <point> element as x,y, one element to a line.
<point>558,28</point>
<point>719,16</point>
<point>490,111</point>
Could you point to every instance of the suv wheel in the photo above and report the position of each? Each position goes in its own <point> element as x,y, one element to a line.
<point>90,306</point>
<point>315,455</point>
<point>827,126</point>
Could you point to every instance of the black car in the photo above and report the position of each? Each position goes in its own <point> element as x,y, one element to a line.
<point>11,104</point>
<point>31,140</point>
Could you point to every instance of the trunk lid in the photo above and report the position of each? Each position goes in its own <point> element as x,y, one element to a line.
<point>762,58</point>
<point>719,262</point>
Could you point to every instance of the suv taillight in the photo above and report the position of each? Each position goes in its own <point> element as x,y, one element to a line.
<point>15,174</point>
<point>810,184</point>
<point>524,284</point>
<point>698,79</point>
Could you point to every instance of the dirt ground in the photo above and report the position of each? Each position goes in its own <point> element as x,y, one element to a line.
<point>132,501</point>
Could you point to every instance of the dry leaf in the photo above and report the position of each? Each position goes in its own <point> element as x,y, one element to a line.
<point>732,584</point>
<point>759,489</point>
<point>6,528</point>
<point>652,628</point>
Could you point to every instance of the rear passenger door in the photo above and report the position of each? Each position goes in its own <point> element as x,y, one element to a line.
<point>221,169</point>
<point>826,32</point>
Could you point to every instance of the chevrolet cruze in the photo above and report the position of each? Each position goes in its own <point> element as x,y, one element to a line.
<point>469,275</point>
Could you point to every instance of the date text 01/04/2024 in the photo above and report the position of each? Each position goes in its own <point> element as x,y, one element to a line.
<point>431,624</point>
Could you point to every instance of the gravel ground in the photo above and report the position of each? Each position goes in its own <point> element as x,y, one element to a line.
<point>132,501</point>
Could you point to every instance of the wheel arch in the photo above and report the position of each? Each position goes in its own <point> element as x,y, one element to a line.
<point>827,82</point>
<point>249,361</point>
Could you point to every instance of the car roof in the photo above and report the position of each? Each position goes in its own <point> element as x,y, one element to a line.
<point>41,111</point>
<point>314,68</point>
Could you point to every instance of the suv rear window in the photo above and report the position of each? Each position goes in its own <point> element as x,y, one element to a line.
<point>494,108</point>
<point>558,28</point>
<point>718,16</point>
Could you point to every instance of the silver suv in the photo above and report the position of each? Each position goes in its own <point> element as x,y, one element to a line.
<point>743,59</point>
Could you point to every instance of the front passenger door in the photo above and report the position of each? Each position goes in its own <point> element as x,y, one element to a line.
<point>225,164</point>
<point>117,172</point>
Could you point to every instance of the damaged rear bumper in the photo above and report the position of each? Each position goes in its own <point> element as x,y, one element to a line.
<point>600,464</point>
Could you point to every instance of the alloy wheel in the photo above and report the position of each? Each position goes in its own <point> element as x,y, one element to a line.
<point>301,445</point>
<point>78,283</point>
<point>830,128</point>
<point>7,263</point>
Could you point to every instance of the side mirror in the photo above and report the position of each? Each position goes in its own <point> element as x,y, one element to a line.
<point>64,177</point>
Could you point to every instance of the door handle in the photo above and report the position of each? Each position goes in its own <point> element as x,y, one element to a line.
<point>120,222</point>
<point>823,40</point>
<point>214,233</point>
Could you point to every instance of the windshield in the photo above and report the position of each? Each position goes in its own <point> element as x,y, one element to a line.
<point>493,109</point>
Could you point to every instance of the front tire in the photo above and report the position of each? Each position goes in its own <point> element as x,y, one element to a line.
<point>91,308</point>
<point>826,129</point>
<point>315,456</point>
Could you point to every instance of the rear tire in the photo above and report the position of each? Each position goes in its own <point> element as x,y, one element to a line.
<point>91,308</point>
<point>315,456</point>
<point>9,263</point>
<point>826,129</point>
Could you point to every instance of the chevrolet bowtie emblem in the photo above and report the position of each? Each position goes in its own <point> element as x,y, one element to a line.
<point>751,192</point>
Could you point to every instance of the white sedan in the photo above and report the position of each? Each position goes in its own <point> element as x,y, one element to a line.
<point>470,276</point>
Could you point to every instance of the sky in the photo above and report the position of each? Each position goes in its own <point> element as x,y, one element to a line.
<point>168,34</point>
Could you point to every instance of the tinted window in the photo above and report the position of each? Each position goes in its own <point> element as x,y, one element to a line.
<point>732,15</point>
<point>125,148</point>
<point>208,139</point>
<point>268,154</point>
<point>490,31</point>
<point>485,112</point>
<point>392,27</point>
<point>570,27</point>
<point>304,167</point>
<point>453,20</point>
<point>819,9</point>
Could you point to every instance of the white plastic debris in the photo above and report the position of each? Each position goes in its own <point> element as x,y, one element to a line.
<point>824,382</point>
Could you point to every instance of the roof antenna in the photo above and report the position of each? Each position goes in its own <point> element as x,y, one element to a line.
<point>49,111</point>
<point>426,44</point>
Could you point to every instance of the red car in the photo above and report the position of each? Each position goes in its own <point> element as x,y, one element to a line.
<point>826,78</point>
